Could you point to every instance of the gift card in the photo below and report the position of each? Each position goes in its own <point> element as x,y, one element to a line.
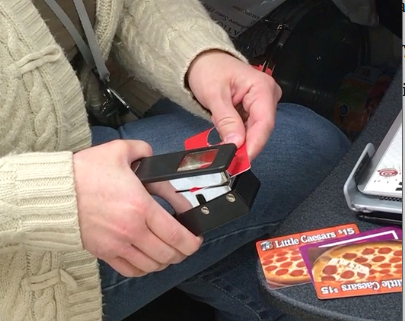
<point>363,264</point>
<point>281,260</point>
<point>239,164</point>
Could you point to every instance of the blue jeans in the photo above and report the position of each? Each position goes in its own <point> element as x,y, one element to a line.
<point>301,151</point>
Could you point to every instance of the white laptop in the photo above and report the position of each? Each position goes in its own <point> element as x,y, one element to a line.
<point>375,183</point>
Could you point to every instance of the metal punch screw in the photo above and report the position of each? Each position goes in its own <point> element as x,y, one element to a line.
<point>205,210</point>
<point>230,198</point>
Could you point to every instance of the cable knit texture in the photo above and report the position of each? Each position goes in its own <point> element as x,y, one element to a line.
<point>45,274</point>
<point>166,56</point>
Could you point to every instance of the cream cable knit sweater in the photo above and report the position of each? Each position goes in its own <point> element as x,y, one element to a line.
<point>44,272</point>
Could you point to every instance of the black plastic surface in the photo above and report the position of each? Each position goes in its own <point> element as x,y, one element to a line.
<point>165,167</point>
<point>221,210</point>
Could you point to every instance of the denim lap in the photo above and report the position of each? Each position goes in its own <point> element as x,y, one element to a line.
<point>301,151</point>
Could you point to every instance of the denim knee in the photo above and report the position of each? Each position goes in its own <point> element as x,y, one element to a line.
<point>302,150</point>
<point>313,132</point>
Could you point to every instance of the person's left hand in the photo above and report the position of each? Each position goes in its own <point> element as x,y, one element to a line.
<point>220,82</point>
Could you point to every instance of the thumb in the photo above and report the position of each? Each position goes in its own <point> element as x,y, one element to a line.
<point>228,123</point>
<point>136,149</point>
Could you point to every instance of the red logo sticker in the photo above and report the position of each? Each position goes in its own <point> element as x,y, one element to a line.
<point>388,172</point>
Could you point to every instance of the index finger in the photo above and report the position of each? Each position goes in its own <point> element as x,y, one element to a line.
<point>170,231</point>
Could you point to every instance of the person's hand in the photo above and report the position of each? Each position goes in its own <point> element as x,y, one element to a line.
<point>119,220</point>
<point>220,82</point>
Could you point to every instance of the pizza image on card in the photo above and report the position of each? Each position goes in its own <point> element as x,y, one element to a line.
<point>360,262</point>
<point>284,267</point>
<point>355,269</point>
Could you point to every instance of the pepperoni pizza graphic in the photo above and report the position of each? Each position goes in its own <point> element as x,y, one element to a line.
<point>359,262</point>
<point>284,267</point>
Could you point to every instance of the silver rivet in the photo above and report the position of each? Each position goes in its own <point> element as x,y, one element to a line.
<point>205,210</point>
<point>230,198</point>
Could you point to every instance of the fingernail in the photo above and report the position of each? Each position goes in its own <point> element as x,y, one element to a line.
<point>232,139</point>
<point>201,239</point>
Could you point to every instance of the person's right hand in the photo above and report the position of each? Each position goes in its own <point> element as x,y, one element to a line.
<point>120,222</point>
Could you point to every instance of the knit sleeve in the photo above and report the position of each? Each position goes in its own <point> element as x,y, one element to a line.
<point>158,39</point>
<point>38,202</point>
